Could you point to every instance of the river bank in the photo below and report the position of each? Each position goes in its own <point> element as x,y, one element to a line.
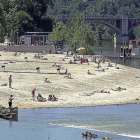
<point>70,92</point>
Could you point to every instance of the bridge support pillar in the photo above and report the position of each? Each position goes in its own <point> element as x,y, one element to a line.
<point>119,39</point>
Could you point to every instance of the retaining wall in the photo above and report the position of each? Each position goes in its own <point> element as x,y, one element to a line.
<point>34,49</point>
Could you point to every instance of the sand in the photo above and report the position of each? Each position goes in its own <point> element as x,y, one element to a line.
<point>70,92</point>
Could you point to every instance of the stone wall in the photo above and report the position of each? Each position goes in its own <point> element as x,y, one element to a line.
<point>23,48</point>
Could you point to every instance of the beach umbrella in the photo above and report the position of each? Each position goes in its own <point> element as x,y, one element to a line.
<point>81,48</point>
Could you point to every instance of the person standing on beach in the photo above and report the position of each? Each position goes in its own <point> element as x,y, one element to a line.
<point>10,102</point>
<point>33,93</point>
<point>81,59</point>
<point>50,51</point>
<point>10,81</point>
<point>101,52</point>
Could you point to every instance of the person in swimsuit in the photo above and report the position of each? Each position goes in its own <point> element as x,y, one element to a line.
<point>10,102</point>
<point>10,81</point>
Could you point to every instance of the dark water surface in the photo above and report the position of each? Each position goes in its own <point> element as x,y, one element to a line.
<point>116,122</point>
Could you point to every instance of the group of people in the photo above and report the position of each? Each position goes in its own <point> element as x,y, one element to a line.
<point>37,56</point>
<point>41,99</point>
<point>39,96</point>
<point>52,98</point>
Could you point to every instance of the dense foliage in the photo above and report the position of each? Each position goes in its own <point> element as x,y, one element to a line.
<point>98,8</point>
<point>24,15</point>
<point>38,15</point>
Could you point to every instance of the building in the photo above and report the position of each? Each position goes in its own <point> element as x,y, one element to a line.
<point>36,38</point>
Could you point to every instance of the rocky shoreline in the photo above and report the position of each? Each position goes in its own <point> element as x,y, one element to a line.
<point>9,115</point>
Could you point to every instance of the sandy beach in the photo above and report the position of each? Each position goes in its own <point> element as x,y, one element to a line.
<point>70,92</point>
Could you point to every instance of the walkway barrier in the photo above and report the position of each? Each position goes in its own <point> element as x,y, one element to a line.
<point>58,70</point>
<point>4,49</point>
<point>26,58</point>
<point>3,67</point>
<point>38,69</point>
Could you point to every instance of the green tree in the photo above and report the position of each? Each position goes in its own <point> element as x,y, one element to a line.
<point>137,32</point>
<point>58,33</point>
<point>80,34</point>
<point>88,38</point>
<point>2,33</point>
<point>24,15</point>
<point>47,24</point>
<point>12,36</point>
<point>22,22</point>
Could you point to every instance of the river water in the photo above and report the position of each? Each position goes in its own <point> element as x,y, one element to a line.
<point>118,122</point>
<point>108,48</point>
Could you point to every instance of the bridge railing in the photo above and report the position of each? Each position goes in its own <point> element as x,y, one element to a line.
<point>87,16</point>
<point>97,17</point>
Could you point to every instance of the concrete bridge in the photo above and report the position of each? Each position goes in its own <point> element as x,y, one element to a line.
<point>121,26</point>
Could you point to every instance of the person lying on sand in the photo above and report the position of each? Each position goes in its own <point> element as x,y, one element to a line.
<point>102,91</point>
<point>4,84</point>
<point>118,68</point>
<point>62,59</point>
<point>102,69</point>
<point>54,65</point>
<point>89,73</point>
<point>11,62</point>
<point>137,77</point>
<point>68,76</point>
<point>86,94</point>
<point>119,89</point>
<point>45,58</point>
<point>70,62</point>
<point>110,65</point>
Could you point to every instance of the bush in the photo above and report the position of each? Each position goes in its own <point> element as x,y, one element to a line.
<point>0,108</point>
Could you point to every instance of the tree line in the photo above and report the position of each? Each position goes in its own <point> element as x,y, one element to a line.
<point>24,15</point>
<point>99,8</point>
<point>19,16</point>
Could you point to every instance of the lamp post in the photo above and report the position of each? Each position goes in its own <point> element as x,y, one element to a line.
<point>17,38</point>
